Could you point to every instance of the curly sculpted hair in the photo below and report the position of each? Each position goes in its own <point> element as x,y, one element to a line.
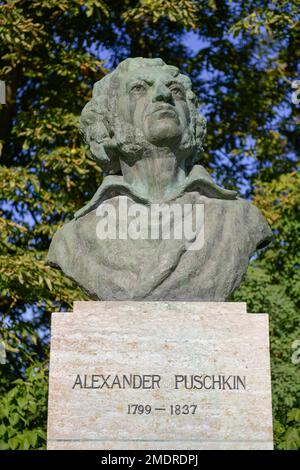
<point>108,136</point>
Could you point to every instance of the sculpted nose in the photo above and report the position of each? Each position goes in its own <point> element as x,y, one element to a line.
<point>162,93</point>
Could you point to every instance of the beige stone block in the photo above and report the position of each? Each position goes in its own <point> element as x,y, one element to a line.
<point>225,347</point>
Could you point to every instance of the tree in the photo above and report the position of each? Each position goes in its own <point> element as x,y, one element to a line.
<point>50,55</point>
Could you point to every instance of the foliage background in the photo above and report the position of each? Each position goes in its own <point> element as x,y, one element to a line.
<point>244,59</point>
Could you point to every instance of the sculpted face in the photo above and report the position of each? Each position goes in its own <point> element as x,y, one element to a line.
<point>154,101</point>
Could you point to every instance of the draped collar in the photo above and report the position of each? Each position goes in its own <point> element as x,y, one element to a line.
<point>198,180</point>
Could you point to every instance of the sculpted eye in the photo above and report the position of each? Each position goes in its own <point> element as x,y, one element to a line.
<point>138,88</point>
<point>177,91</point>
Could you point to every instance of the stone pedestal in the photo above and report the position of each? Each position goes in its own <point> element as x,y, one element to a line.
<point>159,375</point>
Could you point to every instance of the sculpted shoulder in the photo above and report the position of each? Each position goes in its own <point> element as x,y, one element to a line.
<point>238,217</point>
<point>259,230</point>
<point>64,247</point>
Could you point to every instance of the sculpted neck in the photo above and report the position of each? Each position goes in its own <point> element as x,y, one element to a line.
<point>156,175</point>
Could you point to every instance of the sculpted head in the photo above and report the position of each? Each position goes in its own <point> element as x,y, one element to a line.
<point>141,104</point>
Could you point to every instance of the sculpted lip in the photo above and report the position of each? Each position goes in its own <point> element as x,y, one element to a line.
<point>162,108</point>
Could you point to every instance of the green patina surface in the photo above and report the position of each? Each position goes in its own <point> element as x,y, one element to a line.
<point>143,127</point>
